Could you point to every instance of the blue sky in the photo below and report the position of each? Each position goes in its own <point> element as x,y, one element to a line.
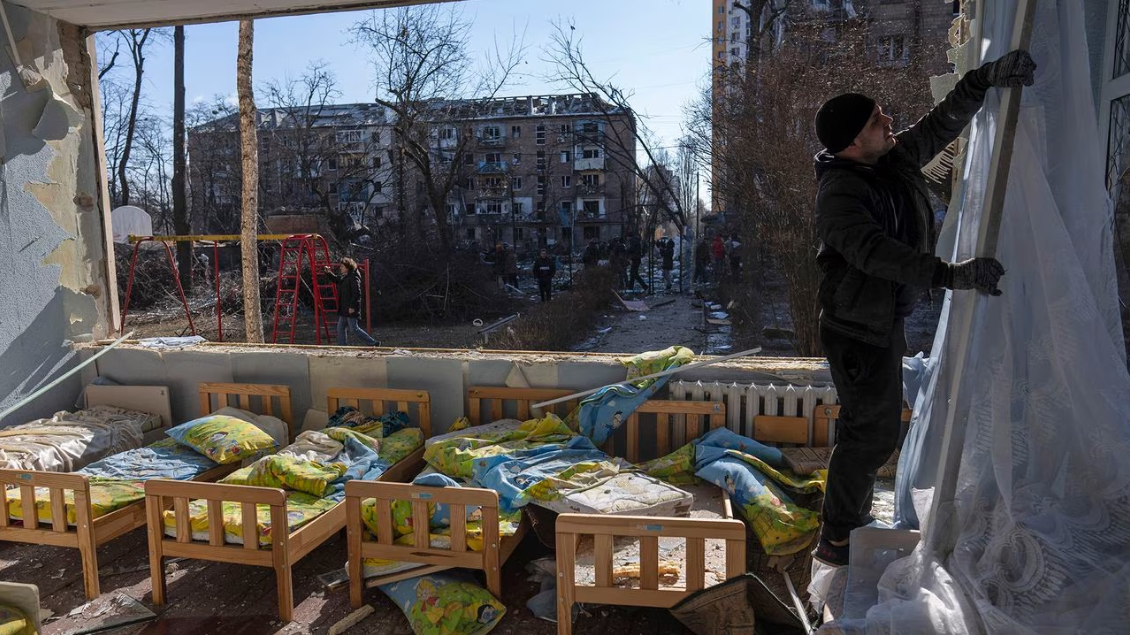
<point>654,48</point>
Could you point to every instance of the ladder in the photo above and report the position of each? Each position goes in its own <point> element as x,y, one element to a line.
<point>296,249</point>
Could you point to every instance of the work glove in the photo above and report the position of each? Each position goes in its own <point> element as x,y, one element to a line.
<point>1010,71</point>
<point>981,274</point>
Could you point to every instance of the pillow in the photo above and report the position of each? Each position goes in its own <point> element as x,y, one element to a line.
<point>277,428</point>
<point>446,604</point>
<point>222,438</point>
<point>400,444</point>
<point>782,527</point>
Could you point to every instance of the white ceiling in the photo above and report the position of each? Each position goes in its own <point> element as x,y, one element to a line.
<point>111,14</point>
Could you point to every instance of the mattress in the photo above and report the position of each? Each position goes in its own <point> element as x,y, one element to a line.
<point>68,441</point>
<point>626,494</point>
<point>708,503</point>
<point>301,509</point>
<point>119,480</point>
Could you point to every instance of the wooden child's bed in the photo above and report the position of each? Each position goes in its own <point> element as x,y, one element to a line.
<point>498,403</point>
<point>89,531</point>
<point>287,547</point>
<point>691,420</point>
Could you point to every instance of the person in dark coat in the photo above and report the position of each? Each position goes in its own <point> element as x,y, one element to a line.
<point>701,261</point>
<point>349,297</point>
<point>635,255</point>
<point>875,224</point>
<point>618,260</point>
<point>667,254</point>
<point>544,269</point>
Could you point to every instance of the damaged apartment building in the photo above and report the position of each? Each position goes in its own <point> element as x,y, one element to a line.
<point>533,171</point>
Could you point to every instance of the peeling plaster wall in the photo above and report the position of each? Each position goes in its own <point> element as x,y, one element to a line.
<point>446,376</point>
<point>52,259</point>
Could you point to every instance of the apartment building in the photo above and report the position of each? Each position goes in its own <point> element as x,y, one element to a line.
<point>328,159</point>
<point>542,171</point>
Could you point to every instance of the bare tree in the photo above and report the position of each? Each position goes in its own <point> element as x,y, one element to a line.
<point>215,171</point>
<point>321,153</point>
<point>755,130</point>
<point>621,143</point>
<point>425,76</point>
<point>135,41</point>
<point>249,227</point>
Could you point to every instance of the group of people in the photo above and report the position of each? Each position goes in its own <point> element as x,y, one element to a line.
<point>720,256</point>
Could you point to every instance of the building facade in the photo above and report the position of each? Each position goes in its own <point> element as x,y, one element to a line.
<point>535,171</point>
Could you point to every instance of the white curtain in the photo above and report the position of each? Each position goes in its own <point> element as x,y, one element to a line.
<point>1042,508</point>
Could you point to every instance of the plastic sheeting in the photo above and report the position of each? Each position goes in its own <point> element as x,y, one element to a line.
<point>1042,507</point>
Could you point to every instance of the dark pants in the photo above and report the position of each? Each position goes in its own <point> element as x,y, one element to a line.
<point>635,275</point>
<point>545,288</point>
<point>869,386</point>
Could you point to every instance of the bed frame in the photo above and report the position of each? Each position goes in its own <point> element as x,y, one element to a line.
<point>499,402</point>
<point>692,419</point>
<point>90,532</point>
<point>286,548</point>
<point>604,529</point>
<point>671,424</point>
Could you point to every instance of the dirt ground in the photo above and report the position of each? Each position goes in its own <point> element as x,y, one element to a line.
<point>670,320</point>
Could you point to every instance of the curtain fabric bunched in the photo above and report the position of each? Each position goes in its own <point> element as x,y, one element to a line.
<point>1042,507</point>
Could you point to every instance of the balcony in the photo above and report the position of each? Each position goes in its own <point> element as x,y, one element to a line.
<point>500,167</point>
<point>491,192</point>
<point>585,189</point>
<point>492,142</point>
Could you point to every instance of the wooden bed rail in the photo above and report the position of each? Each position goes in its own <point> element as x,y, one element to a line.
<point>60,534</point>
<point>458,499</point>
<point>214,495</point>
<point>372,401</point>
<point>605,529</point>
<point>496,398</point>
<point>675,423</point>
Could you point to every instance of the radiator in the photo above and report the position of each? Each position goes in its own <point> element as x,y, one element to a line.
<point>783,414</point>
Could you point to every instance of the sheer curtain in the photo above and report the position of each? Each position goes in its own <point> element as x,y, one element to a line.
<point>1042,509</point>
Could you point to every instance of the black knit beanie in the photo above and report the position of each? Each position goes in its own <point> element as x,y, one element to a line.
<point>841,119</point>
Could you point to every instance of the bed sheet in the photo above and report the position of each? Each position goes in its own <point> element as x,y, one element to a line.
<point>67,441</point>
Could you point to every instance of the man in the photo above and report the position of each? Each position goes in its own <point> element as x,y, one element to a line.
<point>667,253</point>
<point>591,255</point>
<point>875,224</point>
<point>701,261</point>
<point>718,250</point>
<point>349,302</point>
<point>635,255</point>
<point>544,270</point>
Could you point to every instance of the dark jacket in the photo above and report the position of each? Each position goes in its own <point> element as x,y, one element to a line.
<point>667,252</point>
<point>876,225</point>
<point>348,293</point>
<point>544,268</point>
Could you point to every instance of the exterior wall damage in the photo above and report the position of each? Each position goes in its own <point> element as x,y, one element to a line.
<point>53,275</point>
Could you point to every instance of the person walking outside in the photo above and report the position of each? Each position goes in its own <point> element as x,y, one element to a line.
<point>701,261</point>
<point>349,296</point>
<point>718,250</point>
<point>876,229</point>
<point>544,269</point>
<point>667,253</point>
<point>635,254</point>
<point>618,260</point>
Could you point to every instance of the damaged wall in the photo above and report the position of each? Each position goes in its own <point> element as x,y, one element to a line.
<point>52,237</point>
<point>445,375</point>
